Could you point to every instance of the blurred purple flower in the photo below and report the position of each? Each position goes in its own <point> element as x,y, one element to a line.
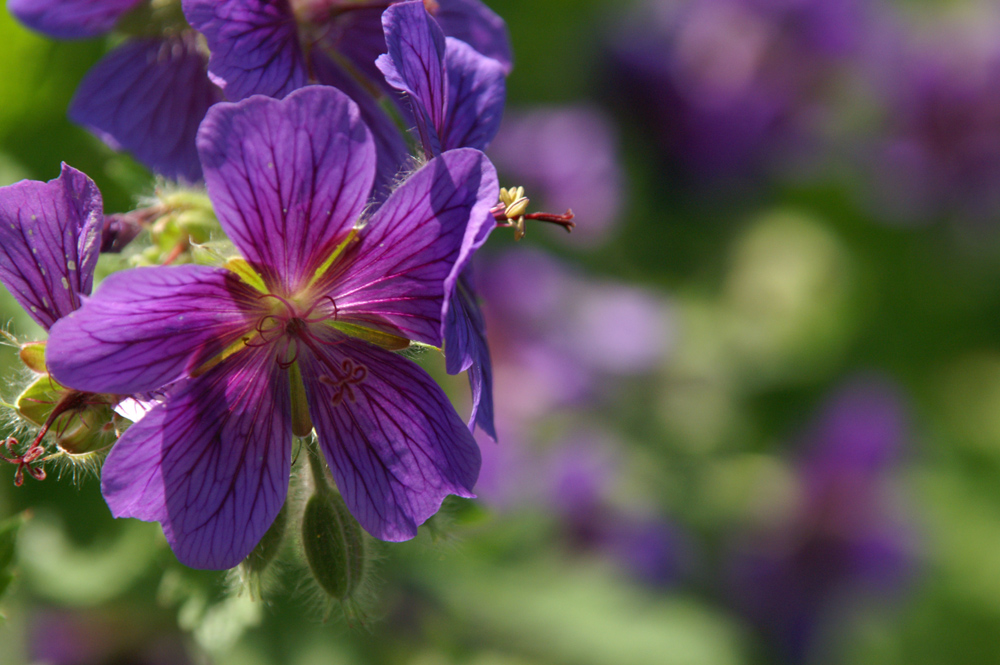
<point>95,637</point>
<point>846,542</point>
<point>940,153</point>
<point>731,86</point>
<point>147,96</point>
<point>557,335</point>
<point>565,157</point>
<point>297,334</point>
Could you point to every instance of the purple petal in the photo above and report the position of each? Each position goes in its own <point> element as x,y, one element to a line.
<point>70,19</point>
<point>50,236</point>
<point>476,95</point>
<point>478,26</point>
<point>211,463</point>
<point>288,178</point>
<point>254,44</point>
<point>465,348</point>
<point>415,65</point>
<point>395,277</point>
<point>147,327</point>
<point>393,155</point>
<point>356,34</point>
<point>148,97</point>
<point>390,435</point>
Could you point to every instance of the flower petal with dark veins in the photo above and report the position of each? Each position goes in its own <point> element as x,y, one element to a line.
<point>391,437</point>
<point>148,97</point>
<point>414,65</point>
<point>395,277</point>
<point>288,178</point>
<point>148,327</point>
<point>50,234</point>
<point>254,44</point>
<point>211,463</point>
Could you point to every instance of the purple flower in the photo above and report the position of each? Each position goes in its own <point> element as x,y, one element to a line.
<point>844,539</point>
<point>50,237</point>
<point>456,96</point>
<point>273,47</point>
<point>294,336</point>
<point>733,86</point>
<point>146,96</point>
<point>940,153</point>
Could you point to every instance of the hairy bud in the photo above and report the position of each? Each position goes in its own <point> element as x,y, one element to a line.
<point>334,545</point>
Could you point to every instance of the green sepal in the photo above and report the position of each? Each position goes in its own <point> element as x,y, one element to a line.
<point>35,404</point>
<point>86,428</point>
<point>32,355</point>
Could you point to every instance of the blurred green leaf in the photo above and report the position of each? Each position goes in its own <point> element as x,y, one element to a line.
<point>8,540</point>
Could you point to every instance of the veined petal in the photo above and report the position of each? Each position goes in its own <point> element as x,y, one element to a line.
<point>389,433</point>
<point>50,234</point>
<point>394,278</point>
<point>211,463</point>
<point>476,94</point>
<point>478,26</point>
<point>254,45</point>
<point>148,327</point>
<point>465,348</point>
<point>288,178</point>
<point>148,97</point>
<point>70,19</point>
<point>415,66</point>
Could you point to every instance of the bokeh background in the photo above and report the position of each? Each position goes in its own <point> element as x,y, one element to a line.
<point>749,411</point>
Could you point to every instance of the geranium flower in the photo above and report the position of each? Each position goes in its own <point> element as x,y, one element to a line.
<point>294,335</point>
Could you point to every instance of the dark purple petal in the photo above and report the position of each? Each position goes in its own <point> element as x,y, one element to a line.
<point>50,235</point>
<point>478,26</point>
<point>465,348</point>
<point>356,34</point>
<point>476,94</point>
<point>390,435</point>
<point>211,463</point>
<point>254,44</point>
<point>390,147</point>
<point>415,65</point>
<point>288,178</point>
<point>147,327</point>
<point>148,97</point>
<point>70,19</point>
<point>395,277</point>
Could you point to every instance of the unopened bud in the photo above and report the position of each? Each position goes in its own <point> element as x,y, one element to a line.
<point>334,545</point>
<point>32,355</point>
